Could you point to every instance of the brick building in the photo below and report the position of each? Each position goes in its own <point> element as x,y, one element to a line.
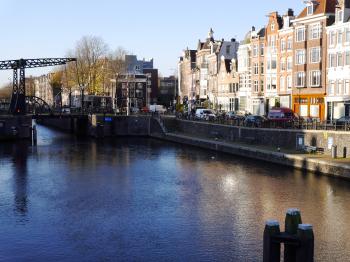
<point>285,58</point>
<point>258,71</point>
<point>310,53</point>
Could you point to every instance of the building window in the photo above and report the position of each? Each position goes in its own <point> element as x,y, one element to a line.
<point>273,83</point>
<point>271,63</point>
<point>255,50</point>
<point>339,59</point>
<point>315,78</point>
<point>268,83</point>
<point>310,9</point>
<point>332,60</point>
<point>228,49</point>
<point>262,85</point>
<point>332,38</point>
<point>340,37</point>
<point>283,45</point>
<point>315,55</point>
<point>273,27</point>
<point>300,79</point>
<point>347,87</point>
<point>283,65</point>
<point>282,82</point>
<point>290,44</point>
<point>289,82</point>
<point>339,87</point>
<point>262,68</point>
<point>300,57</point>
<point>315,31</point>
<point>340,16</point>
<point>347,58</point>
<point>347,35</point>
<point>256,86</point>
<point>330,87</point>
<point>262,49</point>
<point>256,68</point>
<point>300,34</point>
<point>289,63</point>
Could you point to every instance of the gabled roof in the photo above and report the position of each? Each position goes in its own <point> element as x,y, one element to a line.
<point>261,33</point>
<point>323,7</point>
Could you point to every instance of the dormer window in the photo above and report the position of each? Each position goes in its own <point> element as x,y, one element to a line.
<point>310,9</point>
<point>340,16</point>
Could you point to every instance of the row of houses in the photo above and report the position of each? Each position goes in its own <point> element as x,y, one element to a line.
<point>297,61</point>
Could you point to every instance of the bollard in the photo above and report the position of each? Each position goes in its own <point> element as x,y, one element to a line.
<point>305,252</point>
<point>272,249</point>
<point>345,152</point>
<point>292,221</point>
<point>334,151</point>
<point>35,136</point>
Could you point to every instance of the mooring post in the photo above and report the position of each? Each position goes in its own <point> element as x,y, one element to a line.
<point>305,252</point>
<point>272,249</point>
<point>293,219</point>
<point>35,135</point>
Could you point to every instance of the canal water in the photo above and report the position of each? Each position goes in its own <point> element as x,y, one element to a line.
<point>137,199</point>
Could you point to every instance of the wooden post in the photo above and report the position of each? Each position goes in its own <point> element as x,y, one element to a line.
<point>293,219</point>
<point>272,250</point>
<point>305,252</point>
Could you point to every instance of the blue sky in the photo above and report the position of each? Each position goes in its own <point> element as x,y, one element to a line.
<point>150,29</point>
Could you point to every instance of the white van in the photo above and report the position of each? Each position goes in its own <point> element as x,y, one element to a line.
<point>157,108</point>
<point>205,114</point>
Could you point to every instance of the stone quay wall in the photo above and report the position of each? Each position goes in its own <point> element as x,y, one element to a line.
<point>15,127</point>
<point>278,138</point>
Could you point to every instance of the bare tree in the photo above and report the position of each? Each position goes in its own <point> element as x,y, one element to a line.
<point>91,52</point>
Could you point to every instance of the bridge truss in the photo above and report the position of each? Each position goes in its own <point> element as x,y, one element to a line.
<point>18,99</point>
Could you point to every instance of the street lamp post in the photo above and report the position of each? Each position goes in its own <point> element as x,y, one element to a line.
<point>127,96</point>
<point>82,87</point>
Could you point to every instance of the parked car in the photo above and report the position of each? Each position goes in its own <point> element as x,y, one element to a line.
<point>254,121</point>
<point>66,110</point>
<point>281,115</point>
<point>134,110</point>
<point>145,109</point>
<point>205,114</point>
<point>157,108</point>
<point>342,121</point>
<point>235,115</point>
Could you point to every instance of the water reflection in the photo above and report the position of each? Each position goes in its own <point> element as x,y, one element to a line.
<point>20,156</point>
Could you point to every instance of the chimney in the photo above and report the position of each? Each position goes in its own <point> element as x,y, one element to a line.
<point>290,12</point>
<point>253,28</point>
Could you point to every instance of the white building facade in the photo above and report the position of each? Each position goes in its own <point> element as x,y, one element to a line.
<point>338,66</point>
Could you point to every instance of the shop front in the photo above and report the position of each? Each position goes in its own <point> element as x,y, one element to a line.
<point>337,107</point>
<point>310,106</point>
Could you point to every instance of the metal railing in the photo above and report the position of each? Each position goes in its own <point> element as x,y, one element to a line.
<point>300,124</point>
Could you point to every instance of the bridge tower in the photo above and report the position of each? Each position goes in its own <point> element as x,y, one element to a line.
<point>18,99</point>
